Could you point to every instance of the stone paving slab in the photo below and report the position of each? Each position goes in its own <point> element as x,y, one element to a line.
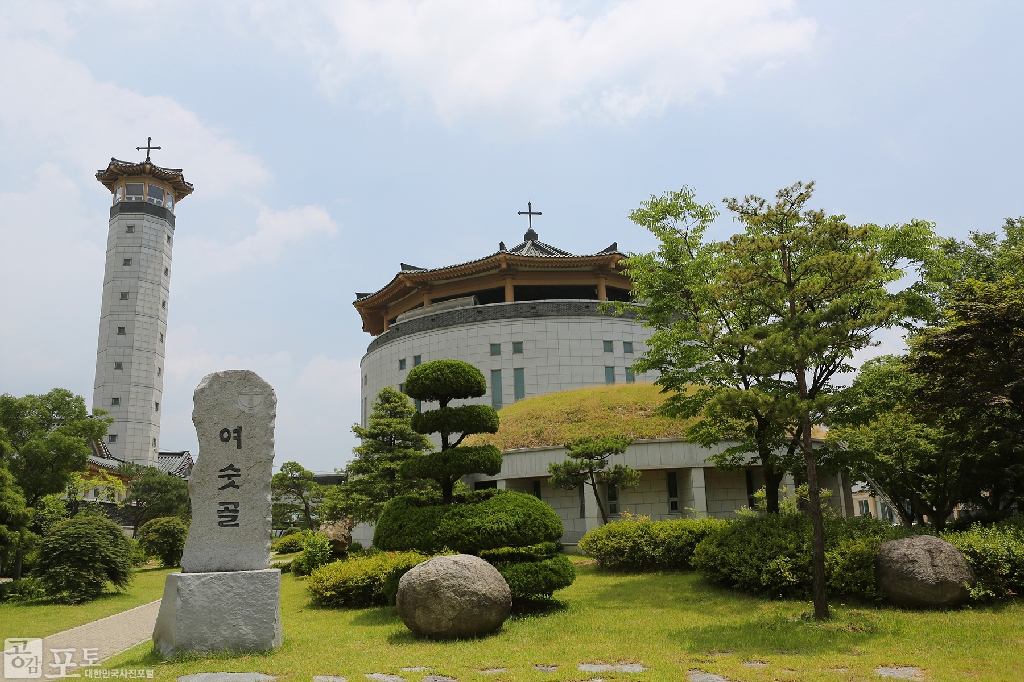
<point>110,635</point>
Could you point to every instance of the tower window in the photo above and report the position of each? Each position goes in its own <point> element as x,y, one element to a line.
<point>155,195</point>
<point>517,347</point>
<point>118,194</point>
<point>133,191</point>
<point>495,349</point>
<point>416,361</point>
<point>608,347</point>
<point>520,383</point>
<point>115,401</point>
<point>118,365</point>
<point>159,371</point>
<point>366,379</point>
<point>613,499</point>
<point>627,346</point>
<point>130,229</point>
<point>164,305</point>
<point>121,331</point>
<point>112,438</point>
<point>496,388</point>
<point>127,261</point>
<point>124,295</point>
<point>169,239</point>
<point>170,201</point>
<point>161,337</point>
<point>154,442</point>
<point>609,375</point>
<point>156,406</point>
<point>166,272</point>
<point>401,364</point>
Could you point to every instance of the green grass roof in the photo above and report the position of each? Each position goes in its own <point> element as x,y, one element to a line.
<point>555,418</point>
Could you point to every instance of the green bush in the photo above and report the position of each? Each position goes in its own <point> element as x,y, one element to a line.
<point>538,552</point>
<point>288,544</point>
<point>495,519</point>
<point>355,546</point>
<point>316,551</point>
<point>291,530</point>
<point>444,380</point>
<point>996,553</point>
<point>164,538</point>
<point>770,555</point>
<point>81,555</point>
<point>362,581</point>
<point>537,579</point>
<point>639,544</point>
<point>26,589</point>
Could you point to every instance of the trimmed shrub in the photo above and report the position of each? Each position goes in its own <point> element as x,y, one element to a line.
<point>81,555</point>
<point>497,519</point>
<point>362,581</point>
<point>164,538</point>
<point>639,544</point>
<point>289,544</point>
<point>316,551</point>
<point>355,546</point>
<point>26,589</point>
<point>444,380</point>
<point>538,552</point>
<point>537,579</point>
<point>996,553</point>
<point>770,555</point>
<point>471,418</point>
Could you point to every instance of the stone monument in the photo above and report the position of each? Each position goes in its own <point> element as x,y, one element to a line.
<point>225,597</point>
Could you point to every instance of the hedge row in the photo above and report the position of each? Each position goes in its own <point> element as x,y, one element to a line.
<point>359,582</point>
<point>639,544</point>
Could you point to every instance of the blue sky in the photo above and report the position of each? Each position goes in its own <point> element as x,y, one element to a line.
<point>328,141</point>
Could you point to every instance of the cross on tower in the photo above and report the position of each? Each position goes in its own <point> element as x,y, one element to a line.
<point>529,212</point>
<point>149,147</point>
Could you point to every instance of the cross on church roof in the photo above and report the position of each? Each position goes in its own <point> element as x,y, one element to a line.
<point>149,147</point>
<point>529,212</point>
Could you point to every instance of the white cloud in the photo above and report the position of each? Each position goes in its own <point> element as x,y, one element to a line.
<point>53,107</point>
<point>540,62</point>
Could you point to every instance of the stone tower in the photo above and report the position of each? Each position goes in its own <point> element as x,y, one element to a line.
<point>133,316</point>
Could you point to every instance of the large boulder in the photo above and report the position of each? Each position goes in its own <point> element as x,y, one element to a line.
<point>453,596</point>
<point>923,570</point>
<point>339,534</point>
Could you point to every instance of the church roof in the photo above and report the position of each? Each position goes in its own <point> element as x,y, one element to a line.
<point>118,169</point>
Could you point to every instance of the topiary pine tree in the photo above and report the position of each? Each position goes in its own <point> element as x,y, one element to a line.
<point>587,465</point>
<point>443,381</point>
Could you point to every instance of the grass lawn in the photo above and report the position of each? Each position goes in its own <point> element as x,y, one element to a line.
<point>34,619</point>
<point>671,622</point>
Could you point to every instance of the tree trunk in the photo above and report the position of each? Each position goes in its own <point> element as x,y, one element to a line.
<point>307,514</point>
<point>19,557</point>
<point>447,486</point>
<point>597,496</point>
<point>821,610</point>
<point>772,479</point>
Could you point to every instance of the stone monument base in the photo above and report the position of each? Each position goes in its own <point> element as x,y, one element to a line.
<point>210,612</point>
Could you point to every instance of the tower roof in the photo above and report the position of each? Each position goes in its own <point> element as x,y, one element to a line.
<point>118,169</point>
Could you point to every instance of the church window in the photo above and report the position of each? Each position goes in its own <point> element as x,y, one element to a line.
<point>166,272</point>
<point>608,347</point>
<point>156,407</point>
<point>127,261</point>
<point>118,365</point>
<point>164,305</point>
<point>401,364</point>
<point>130,229</point>
<point>495,349</point>
<point>609,375</point>
<point>124,295</point>
<point>416,361</point>
<point>121,331</point>
<point>517,347</point>
<point>627,346</point>
<point>115,401</point>
<point>630,377</point>
<point>673,492</point>
<point>161,337</point>
<point>159,371</point>
<point>613,499</point>
<point>112,438</point>
<point>133,191</point>
<point>519,379</point>
<point>496,388</point>
<point>155,195</point>
<point>118,194</point>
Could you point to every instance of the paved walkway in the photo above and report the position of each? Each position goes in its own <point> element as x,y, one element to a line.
<point>111,635</point>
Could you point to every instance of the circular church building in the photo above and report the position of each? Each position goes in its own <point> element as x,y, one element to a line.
<point>528,317</point>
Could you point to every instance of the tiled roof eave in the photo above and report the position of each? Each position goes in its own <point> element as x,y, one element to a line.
<point>118,169</point>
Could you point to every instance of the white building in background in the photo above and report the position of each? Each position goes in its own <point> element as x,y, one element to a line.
<point>136,295</point>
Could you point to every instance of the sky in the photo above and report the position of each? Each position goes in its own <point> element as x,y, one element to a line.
<point>330,141</point>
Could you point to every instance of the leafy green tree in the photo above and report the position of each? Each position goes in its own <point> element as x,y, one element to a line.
<point>972,370</point>
<point>153,494</point>
<point>44,441</point>
<point>374,476</point>
<point>820,285</point>
<point>15,516</point>
<point>81,556</point>
<point>443,381</point>
<point>885,437</point>
<point>294,484</point>
<point>164,538</point>
<point>587,464</point>
<point>703,341</point>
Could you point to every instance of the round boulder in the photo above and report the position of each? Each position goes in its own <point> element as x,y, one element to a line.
<point>453,596</point>
<point>923,570</point>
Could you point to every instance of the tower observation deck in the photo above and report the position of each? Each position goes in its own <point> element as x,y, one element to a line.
<point>136,296</point>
